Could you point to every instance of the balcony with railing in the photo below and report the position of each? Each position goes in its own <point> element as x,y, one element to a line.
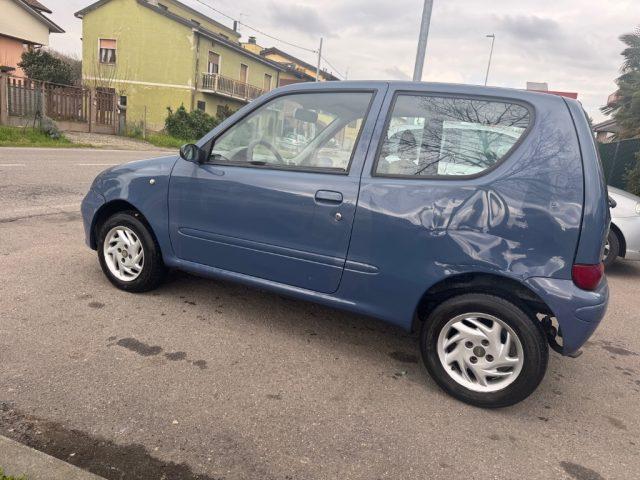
<point>229,87</point>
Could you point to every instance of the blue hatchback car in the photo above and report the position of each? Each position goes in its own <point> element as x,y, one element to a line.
<point>474,215</point>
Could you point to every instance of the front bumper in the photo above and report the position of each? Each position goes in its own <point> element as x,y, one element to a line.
<point>90,205</point>
<point>578,311</point>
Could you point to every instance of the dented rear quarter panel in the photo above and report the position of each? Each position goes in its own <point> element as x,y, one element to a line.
<point>520,220</point>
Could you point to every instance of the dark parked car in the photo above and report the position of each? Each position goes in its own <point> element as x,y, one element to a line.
<point>475,215</point>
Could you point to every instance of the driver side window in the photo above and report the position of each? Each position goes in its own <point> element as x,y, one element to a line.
<point>300,131</point>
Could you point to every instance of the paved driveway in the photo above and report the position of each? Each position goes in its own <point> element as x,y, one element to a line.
<point>211,380</point>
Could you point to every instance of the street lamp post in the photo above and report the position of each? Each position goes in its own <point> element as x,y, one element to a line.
<point>492,36</point>
<point>422,40</point>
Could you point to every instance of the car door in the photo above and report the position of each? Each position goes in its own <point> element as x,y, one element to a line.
<point>277,197</point>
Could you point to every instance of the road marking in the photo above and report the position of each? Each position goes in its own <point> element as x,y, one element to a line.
<point>98,164</point>
<point>12,165</point>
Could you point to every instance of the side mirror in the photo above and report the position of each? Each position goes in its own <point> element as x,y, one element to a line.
<point>192,153</point>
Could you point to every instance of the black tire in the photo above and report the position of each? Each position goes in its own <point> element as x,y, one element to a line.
<point>153,269</point>
<point>614,249</point>
<point>534,346</point>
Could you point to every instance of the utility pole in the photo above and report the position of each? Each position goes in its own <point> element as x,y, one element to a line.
<point>492,36</point>
<point>422,40</point>
<point>319,58</point>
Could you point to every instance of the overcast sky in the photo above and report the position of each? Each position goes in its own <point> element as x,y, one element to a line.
<point>571,44</point>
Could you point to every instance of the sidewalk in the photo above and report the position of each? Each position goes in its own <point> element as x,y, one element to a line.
<point>17,459</point>
<point>112,142</point>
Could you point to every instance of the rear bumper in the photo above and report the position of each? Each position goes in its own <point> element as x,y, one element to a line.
<point>90,205</point>
<point>578,311</point>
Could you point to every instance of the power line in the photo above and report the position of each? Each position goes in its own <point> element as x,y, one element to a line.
<point>261,32</point>
<point>255,29</point>
<point>334,68</point>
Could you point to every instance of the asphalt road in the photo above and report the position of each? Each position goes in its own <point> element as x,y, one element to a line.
<point>212,380</point>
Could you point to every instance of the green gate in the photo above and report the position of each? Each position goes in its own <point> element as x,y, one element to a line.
<point>617,158</point>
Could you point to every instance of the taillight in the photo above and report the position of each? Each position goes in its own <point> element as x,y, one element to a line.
<point>587,277</point>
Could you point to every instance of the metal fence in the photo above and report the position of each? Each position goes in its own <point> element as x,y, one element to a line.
<point>67,103</point>
<point>24,97</point>
<point>74,108</point>
<point>231,87</point>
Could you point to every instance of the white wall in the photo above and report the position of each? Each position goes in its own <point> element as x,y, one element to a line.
<point>16,22</point>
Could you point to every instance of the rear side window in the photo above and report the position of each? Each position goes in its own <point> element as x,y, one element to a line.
<point>433,136</point>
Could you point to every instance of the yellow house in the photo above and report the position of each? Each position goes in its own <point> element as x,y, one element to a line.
<point>296,70</point>
<point>162,53</point>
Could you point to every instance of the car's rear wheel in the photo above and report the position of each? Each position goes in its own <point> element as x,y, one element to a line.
<point>128,253</point>
<point>484,350</point>
<point>611,249</point>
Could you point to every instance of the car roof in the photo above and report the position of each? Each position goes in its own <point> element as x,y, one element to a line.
<point>534,98</point>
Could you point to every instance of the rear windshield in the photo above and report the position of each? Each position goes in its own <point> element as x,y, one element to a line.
<point>428,135</point>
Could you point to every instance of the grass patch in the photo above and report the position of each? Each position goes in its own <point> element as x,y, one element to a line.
<point>159,139</point>
<point>30,137</point>
<point>166,141</point>
<point>4,477</point>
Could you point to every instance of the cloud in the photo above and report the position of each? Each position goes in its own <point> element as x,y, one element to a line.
<point>395,73</point>
<point>302,18</point>
<point>530,28</point>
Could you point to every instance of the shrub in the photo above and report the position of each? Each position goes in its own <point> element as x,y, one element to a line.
<point>632,177</point>
<point>188,126</point>
<point>224,112</point>
<point>42,65</point>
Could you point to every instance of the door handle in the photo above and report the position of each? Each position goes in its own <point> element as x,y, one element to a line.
<point>328,196</point>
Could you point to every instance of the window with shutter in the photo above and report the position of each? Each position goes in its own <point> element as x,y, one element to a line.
<point>107,51</point>
<point>213,66</point>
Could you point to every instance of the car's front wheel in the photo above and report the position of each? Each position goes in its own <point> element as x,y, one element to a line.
<point>128,253</point>
<point>484,350</point>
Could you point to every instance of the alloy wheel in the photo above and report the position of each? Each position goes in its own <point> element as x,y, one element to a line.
<point>480,352</point>
<point>123,253</point>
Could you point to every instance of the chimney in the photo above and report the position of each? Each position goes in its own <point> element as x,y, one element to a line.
<point>252,40</point>
<point>235,25</point>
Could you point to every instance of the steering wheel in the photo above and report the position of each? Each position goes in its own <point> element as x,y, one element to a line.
<point>266,144</point>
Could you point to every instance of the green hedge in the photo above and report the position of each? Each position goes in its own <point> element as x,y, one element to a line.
<point>183,124</point>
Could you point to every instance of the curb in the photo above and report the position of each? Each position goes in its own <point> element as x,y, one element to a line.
<point>17,459</point>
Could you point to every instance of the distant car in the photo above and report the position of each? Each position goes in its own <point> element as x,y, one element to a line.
<point>481,223</point>
<point>624,235</point>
